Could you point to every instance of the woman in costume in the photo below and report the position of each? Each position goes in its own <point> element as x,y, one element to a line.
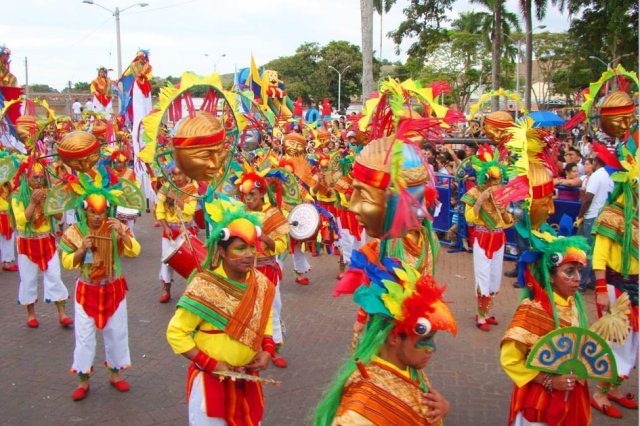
<point>550,301</point>
<point>101,90</point>
<point>490,220</point>
<point>223,322</point>
<point>93,246</point>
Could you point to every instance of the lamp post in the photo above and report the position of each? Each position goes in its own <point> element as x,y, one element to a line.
<point>340,82</point>
<point>116,12</point>
<point>215,63</point>
<point>519,43</point>
<point>609,65</point>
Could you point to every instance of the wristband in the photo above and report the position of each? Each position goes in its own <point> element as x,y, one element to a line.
<point>269,346</point>
<point>601,286</point>
<point>205,362</point>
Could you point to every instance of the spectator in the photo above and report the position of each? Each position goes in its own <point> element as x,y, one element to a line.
<point>470,150</point>
<point>588,170</point>
<point>88,106</point>
<point>586,146</point>
<point>573,155</point>
<point>597,190</point>
<point>76,109</point>
<point>571,180</point>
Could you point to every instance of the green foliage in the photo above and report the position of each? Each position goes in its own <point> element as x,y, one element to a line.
<point>42,88</point>
<point>424,23</point>
<point>306,74</point>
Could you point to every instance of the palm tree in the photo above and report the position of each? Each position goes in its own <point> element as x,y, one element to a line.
<point>366,29</point>
<point>381,7</point>
<point>526,10</point>
<point>499,23</point>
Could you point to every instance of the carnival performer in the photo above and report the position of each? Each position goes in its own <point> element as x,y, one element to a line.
<point>6,78</point>
<point>93,246</point>
<point>325,200</point>
<point>490,221</point>
<point>36,242</point>
<point>383,382</point>
<point>101,90</point>
<point>615,263</point>
<point>223,322</point>
<point>274,240</point>
<point>7,236</point>
<point>119,160</point>
<point>551,302</point>
<point>175,209</point>
<point>295,145</point>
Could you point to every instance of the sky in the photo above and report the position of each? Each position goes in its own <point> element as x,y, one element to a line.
<point>66,40</point>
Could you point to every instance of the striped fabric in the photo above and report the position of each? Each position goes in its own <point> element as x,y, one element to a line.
<point>39,250</point>
<point>101,301</point>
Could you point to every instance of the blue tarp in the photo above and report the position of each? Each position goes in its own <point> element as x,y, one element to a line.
<point>546,119</point>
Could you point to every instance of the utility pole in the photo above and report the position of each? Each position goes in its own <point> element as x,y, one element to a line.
<point>26,78</point>
<point>69,99</point>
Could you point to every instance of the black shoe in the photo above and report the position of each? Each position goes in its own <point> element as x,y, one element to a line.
<point>516,284</point>
<point>511,274</point>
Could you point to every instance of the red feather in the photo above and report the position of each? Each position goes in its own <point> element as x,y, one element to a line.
<point>606,156</point>
<point>352,279</point>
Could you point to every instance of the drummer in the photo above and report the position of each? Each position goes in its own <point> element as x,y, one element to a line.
<point>274,238</point>
<point>119,161</point>
<point>223,322</point>
<point>174,211</point>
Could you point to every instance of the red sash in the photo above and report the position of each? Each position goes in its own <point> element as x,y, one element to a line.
<point>38,250</point>
<point>349,222</point>
<point>144,86</point>
<point>104,100</point>
<point>490,242</point>
<point>538,405</point>
<point>101,301</point>
<point>239,402</point>
<point>5,226</point>
<point>272,272</point>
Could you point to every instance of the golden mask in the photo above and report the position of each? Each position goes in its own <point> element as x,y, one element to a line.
<point>495,125</point>
<point>295,145</point>
<point>617,114</point>
<point>79,150</point>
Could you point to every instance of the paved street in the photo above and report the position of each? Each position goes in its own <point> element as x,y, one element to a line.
<point>35,363</point>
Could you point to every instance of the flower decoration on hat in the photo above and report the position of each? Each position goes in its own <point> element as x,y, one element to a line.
<point>489,164</point>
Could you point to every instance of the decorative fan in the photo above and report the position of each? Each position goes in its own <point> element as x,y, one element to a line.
<point>574,350</point>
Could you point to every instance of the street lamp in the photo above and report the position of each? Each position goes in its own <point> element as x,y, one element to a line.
<point>519,43</point>
<point>215,63</point>
<point>116,13</point>
<point>340,82</point>
<point>610,64</point>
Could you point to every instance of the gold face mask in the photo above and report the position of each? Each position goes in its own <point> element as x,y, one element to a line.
<point>84,164</point>
<point>201,162</point>
<point>295,145</point>
<point>369,205</point>
<point>616,125</point>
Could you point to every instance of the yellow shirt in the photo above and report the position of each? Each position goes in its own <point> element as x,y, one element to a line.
<point>188,210</point>
<point>133,251</point>
<point>183,335</point>
<point>282,242</point>
<point>472,219</point>
<point>607,252</point>
<point>513,355</point>
<point>4,205</point>
<point>21,219</point>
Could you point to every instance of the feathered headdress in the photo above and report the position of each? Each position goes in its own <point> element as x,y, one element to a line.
<point>489,164</point>
<point>249,179</point>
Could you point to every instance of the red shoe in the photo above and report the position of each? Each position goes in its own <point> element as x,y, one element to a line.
<point>120,385</point>
<point>10,268</point>
<point>80,393</point>
<point>340,275</point>
<point>33,323</point>
<point>336,251</point>
<point>165,298</point>
<point>302,281</point>
<point>279,362</point>
<point>66,322</point>
<point>626,401</point>
<point>491,320</point>
<point>156,225</point>
<point>607,410</point>
<point>483,326</point>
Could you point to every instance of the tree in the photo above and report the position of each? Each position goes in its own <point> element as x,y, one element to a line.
<point>366,29</point>
<point>381,7</point>
<point>41,88</point>
<point>526,10</point>
<point>554,53</point>
<point>425,21</point>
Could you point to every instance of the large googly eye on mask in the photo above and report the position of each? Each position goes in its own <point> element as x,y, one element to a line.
<point>556,258</point>
<point>422,327</point>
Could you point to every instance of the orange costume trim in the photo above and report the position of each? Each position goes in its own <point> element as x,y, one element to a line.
<point>39,250</point>
<point>371,177</point>
<point>385,397</point>
<point>101,301</point>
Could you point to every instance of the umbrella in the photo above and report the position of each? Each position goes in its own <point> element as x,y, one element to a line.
<point>546,119</point>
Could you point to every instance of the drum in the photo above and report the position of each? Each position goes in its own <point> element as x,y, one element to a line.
<point>304,220</point>
<point>180,257</point>
<point>124,213</point>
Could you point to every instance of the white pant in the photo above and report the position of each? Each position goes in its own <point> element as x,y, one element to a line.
<point>521,421</point>
<point>277,315</point>
<point>626,354</point>
<point>7,248</point>
<point>116,340</point>
<point>300,263</point>
<point>349,243</point>
<point>98,107</point>
<point>54,289</point>
<point>488,272</point>
<point>166,271</point>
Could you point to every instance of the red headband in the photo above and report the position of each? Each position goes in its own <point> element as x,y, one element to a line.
<point>370,176</point>
<point>619,110</point>
<point>190,141</point>
<point>82,153</point>
<point>498,123</point>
